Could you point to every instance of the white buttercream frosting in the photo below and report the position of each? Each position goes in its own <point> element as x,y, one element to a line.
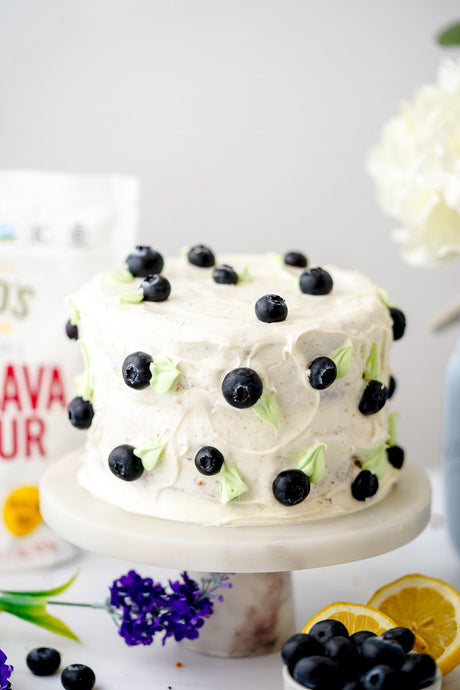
<point>206,330</point>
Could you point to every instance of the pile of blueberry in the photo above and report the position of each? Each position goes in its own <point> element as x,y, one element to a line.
<point>45,661</point>
<point>328,658</point>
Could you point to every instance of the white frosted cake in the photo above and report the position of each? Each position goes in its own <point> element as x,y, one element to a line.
<point>261,398</point>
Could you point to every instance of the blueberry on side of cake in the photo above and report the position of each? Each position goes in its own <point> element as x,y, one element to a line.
<point>144,261</point>
<point>391,386</point>
<point>201,256</point>
<point>395,455</point>
<point>296,259</point>
<point>80,412</point>
<point>364,486</point>
<point>124,464</point>
<point>242,387</point>
<point>209,460</point>
<point>71,331</point>
<point>225,275</point>
<point>156,288</point>
<point>136,370</point>
<point>271,308</point>
<point>291,487</point>
<point>316,281</point>
<point>322,372</point>
<point>374,398</point>
<point>399,322</point>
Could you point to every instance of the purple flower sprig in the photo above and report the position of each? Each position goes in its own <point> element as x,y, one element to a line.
<point>5,672</point>
<point>142,608</point>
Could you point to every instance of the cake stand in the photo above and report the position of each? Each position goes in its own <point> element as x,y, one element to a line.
<point>257,614</point>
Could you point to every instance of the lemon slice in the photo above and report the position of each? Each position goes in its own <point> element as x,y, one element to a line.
<point>21,512</point>
<point>431,609</point>
<point>355,617</point>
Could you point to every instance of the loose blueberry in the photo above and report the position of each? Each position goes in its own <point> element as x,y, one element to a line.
<point>376,650</point>
<point>296,259</point>
<point>316,281</point>
<point>345,653</point>
<point>242,387</point>
<point>271,308</point>
<point>71,331</point>
<point>291,487</point>
<point>225,275</point>
<point>43,661</point>
<point>322,372</point>
<point>156,288</point>
<point>395,455</point>
<point>402,636</point>
<point>399,323</point>
<point>374,398</point>
<point>391,386</point>
<point>124,464</point>
<point>81,413</point>
<point>326,629</point>
<point>318,672</point>
<point>298,647</point>
<point>201,256</point>
<point>78,677</point>
<point>144,261</point>
<point>358,637</point>
<point>364,486</point>
<point>136,370</point>
<point>418,671</point>
<point>209,460</point>
<point>382,677</point>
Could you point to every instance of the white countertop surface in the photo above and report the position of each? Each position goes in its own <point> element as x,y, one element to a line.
<point>118,666</point>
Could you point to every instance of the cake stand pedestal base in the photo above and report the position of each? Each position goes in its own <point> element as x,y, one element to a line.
<point>256,616</point>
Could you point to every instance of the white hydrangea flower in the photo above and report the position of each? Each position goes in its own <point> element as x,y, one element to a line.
<point>416,170</point>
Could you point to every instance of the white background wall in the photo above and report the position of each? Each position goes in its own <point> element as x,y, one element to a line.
<point>248,123</point>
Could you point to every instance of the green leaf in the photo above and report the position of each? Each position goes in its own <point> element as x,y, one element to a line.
<point>74,313</point>
<point>123,276</point>
<point>38,616</point>
<point>164,373</point>
<point>342,359</point>
<point>149,453</point>
<point>450,36</point>
<point>244,276</point>
<point>392,434</point>
<point>131,297</point>
<point>44,593</point>
<point>372,368</point>
<point>85,385</point>
<point>231,483</point>
<point>312,462</point>
<point>267,409</point>
<point>375,462</point>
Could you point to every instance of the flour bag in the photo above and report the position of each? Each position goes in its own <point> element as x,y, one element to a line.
<point>56,230</point>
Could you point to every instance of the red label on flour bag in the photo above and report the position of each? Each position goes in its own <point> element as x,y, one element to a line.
<point>55,231</point>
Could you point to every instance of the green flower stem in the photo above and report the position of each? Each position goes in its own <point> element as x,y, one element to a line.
<point>73,603</point>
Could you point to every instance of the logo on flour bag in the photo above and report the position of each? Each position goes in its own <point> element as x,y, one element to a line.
<point>15,299</point>
<point>27,394</point>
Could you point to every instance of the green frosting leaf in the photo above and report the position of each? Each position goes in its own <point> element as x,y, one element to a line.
<point>392,434</point>
<point>231,483</point>
<point>164,373</point>
<point>149,452</point>
<point>131,297</point>
<point>375,462</point>
<point>342,359</point>
<point>85,384</point>
<point>244,276</point>
<point>383,294</point>
<point>123,276</point>
<point>372,368</point>
<point>267,409</point>
<point>450,36</point>
<point>312,462</point>
<point>74,313</point>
